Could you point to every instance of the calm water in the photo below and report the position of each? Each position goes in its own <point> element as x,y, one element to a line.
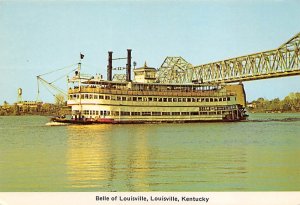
<point>260,155</point>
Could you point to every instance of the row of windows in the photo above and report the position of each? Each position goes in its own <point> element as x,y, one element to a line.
<point>216,108</point>
<point>149,99</point>
<point>122,113</point>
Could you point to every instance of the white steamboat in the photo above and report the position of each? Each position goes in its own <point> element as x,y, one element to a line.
<point>145,100</point>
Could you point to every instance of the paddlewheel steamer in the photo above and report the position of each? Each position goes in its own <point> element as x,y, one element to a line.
<point>145,100</point>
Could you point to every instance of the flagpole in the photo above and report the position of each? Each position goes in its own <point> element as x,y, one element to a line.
<point>79,84</point>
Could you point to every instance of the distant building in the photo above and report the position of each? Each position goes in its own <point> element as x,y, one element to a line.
<point>29,106</point>
<point>251,105</point>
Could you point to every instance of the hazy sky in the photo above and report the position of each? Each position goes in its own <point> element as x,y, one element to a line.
<point>41,36</point>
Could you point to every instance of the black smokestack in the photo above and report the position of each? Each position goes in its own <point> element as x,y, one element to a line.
<point>128,66</point>
<point>109,66</point>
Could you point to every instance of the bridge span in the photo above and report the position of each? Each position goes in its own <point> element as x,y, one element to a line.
<point>279,62</point>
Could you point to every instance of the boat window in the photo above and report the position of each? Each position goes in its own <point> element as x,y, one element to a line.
<point>155,99</point>
<point>179,99</point>
<point>90,96</point>
<point>228,98</point>
<point>165,113</point>
<point>185,113</point>
<point>107,97</point>
<point>135,113</point>
<point>134,98</point>
<point>206,99</point>
<point>224,99</point>
<point>140,99</point>
<point>175,113</point>
<point>159,99</point>
<point>211,100</point>
<point>194,99</point>
<point>183,99</point>
<point>189,100</point>
<point>165,99</point>
<point>194,113</point>
<point>220,99</point>
<point>150,99</point>
<point>118,97</point>
<point>169,99</point>
<point>156,113</point>
<point>146,113</point>
<point>174,99</point>
<point>125,113</point>
<point>123,98</point>
<point>216,99</point>
<point>101,96</point>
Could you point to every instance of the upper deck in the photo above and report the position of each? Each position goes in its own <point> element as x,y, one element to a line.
<point>149,89</point>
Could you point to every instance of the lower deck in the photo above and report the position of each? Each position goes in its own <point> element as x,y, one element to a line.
<point>191,114</point>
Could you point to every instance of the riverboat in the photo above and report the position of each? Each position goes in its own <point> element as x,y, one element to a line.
<point>145,100</point>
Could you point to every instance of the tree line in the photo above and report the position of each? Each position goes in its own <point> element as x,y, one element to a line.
<point>35,107</point>
<point>290,103</point>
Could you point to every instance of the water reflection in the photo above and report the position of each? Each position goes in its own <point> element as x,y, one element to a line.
<point>138,162</point>
<point>98,158</point>
<point>136,158</point>
<point>89,156</point>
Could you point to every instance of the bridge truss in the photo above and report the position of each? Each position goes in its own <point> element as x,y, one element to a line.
<point>174,70</point>
<point>280,62</point>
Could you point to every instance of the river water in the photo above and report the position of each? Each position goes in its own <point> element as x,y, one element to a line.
<point>260,155</point>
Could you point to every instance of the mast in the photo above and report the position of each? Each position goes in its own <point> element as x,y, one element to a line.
<point>79,84</point>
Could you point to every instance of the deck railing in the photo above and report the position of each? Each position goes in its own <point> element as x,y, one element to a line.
<point>167,93</point>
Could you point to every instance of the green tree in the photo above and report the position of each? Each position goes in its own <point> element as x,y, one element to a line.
<point>275,104</point>
<point>59,100</point>
<point>5,104</point>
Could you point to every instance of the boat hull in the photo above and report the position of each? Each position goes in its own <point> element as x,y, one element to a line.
<point>112,121</point>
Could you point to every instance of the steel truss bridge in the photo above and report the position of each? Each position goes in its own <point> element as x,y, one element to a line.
<point>280,62</point>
